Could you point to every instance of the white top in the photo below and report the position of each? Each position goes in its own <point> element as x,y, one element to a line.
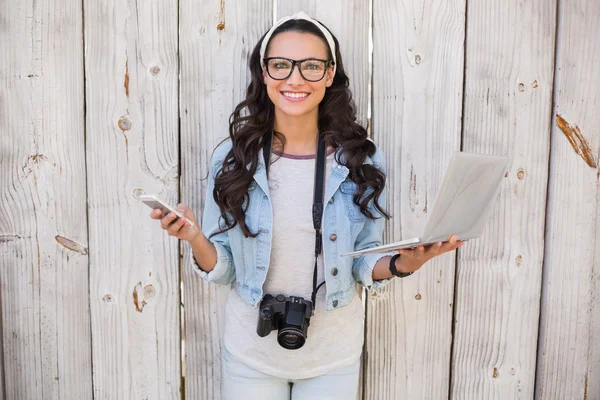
<point>334,338</point>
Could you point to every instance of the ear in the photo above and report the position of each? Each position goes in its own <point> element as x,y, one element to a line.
<point>264,70</point>
<point>329,81</point>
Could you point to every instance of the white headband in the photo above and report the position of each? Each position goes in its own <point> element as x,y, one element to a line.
<point>298,15</point>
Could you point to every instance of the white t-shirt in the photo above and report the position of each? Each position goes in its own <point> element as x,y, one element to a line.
<point>334,338</point>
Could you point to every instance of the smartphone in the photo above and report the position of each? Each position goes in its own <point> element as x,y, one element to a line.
<point>154,202</point>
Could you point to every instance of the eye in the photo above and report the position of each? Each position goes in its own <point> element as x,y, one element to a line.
<point>313,66</point>
<point>280,64</point>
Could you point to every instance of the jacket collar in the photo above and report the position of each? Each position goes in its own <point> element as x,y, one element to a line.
<point>337,175</point>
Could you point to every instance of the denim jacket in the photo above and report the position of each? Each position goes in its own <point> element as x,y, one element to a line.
<point>245,260</point>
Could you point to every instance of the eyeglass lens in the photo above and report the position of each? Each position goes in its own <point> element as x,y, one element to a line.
<point>311,70</point>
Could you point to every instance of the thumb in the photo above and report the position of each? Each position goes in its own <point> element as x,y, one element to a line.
<point>186,211</point>
<point>183,210</point>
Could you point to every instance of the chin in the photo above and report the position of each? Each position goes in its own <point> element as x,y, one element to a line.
<point>295,111</point>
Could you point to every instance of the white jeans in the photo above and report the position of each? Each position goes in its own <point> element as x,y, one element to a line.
<point>241,382</point>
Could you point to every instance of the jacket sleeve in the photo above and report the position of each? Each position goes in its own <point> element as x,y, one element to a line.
<point>370,236</point>
<point>224,270</point>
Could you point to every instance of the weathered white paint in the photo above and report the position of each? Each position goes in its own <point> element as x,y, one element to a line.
<point>569,350</point>
<point>2,390</point>
<point>216,40</point>
<point>43,227</point>
<point>134,96</point>
<point>349,22</point>
<point>131,145</point>
<point>508,95</point>
<point>417,95</point>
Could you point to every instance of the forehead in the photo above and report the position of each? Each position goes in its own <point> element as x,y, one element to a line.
<point>297,46</point>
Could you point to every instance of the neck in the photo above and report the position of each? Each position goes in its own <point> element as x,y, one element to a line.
<point>300,134</point>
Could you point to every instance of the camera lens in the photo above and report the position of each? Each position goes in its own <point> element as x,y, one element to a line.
<point>291,338</point>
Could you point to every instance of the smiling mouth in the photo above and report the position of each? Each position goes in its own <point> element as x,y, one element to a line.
<point>293,95</point>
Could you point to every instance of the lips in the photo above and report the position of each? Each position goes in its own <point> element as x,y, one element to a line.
<point>295,96</point>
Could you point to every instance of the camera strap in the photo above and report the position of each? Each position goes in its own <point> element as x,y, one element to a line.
<point>317,208</point>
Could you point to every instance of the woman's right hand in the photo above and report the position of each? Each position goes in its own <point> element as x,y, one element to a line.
<point>181,229</point>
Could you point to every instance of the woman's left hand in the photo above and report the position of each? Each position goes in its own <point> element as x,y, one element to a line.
<point>413,259</point>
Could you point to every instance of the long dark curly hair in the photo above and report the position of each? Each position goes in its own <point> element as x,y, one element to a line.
<point>252,120</point>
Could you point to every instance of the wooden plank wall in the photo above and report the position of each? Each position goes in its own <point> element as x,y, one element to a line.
<point>131,76</point>
<point>141,93</point>
<point>349,22</point>
<point>216,41</point>
<point>569,348</point>
<point>508,96</point>
<point>417,97</point>
<point>45,320</point>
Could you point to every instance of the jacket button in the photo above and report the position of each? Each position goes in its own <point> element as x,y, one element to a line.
<point>330,201</point>
<point>334,271</point>
<point>335,303</point>
<point>333,237</point>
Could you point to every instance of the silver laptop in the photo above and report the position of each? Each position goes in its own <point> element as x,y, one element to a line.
<point>463,202</point>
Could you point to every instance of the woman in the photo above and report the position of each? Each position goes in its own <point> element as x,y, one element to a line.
<point>258,230</point>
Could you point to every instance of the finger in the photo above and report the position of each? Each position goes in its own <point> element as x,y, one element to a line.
<point>186,212</point>
<point>176,227</point>
<point>449,246</point>
<point>156,213</point>
<point>436,248</point>
<point>165,222</point>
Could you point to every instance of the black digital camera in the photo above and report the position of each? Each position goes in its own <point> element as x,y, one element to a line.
<point>289,315</point>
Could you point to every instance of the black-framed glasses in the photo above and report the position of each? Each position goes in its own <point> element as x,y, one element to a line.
<point>311,69</point>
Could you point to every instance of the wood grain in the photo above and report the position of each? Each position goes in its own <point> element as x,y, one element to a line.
<point>568,364</point>
<point>417,97</point>
<point>216,40</point>
<point>349,22</point>
<point>508,95</point>
<point>132,147</point>
<point>45,319</point>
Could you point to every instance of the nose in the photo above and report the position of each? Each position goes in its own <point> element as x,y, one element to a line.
<point>295,78</point>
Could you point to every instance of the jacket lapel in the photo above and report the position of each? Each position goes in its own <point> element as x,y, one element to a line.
<point>260,176</point>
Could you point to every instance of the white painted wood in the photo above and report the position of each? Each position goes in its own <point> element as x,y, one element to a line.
<point>43,229</point>
<point>2,390</point>
<point>216,40</point>
<point>132,145</point>
<point>1,360</point>
<point>569,352</point>
<point>349,23</point>
<point>508,95</point>
<point>417,95</point>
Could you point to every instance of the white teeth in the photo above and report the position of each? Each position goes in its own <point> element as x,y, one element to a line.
<point>295,95</point>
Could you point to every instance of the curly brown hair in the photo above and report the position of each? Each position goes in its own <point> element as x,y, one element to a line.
<point>252,120</point>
